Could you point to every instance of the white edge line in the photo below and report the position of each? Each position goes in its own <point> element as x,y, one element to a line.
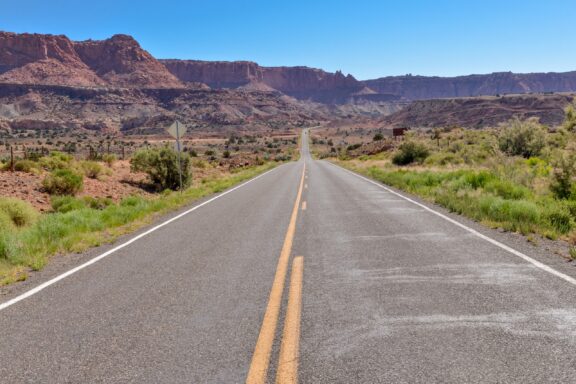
<point>473,231</point>
<point>56,279</point>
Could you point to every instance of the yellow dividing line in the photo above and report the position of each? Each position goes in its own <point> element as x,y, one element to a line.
<point>288,361</point>
<point>261,357</point>
<point>303,205</point>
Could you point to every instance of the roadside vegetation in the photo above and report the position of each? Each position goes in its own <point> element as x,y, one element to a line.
<point>520,176</point>
<point>76,222</point>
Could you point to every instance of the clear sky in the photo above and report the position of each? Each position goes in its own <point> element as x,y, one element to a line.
<point>368,39</point>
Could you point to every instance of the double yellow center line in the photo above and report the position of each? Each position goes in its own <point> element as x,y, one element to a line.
<point>288,362</point>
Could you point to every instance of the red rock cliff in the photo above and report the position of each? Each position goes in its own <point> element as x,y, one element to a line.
<point>56,60</point>
<point>422,87</point>
<point>300,82</point>
<point>122,62</point>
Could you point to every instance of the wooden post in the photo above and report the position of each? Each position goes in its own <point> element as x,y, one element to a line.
<point>11,158</point>
<point>122,151</point>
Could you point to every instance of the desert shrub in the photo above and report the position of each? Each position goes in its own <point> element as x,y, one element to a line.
<point>377,137</point>
<point>20,212</point>
<point>56,160</point>
<point>226,154</point>
<point>522,138</point>
<point>507,189</point>
<point>570,117</point>
<point>27,166</point>
<point>63,182</point>
<point>352,147</point>
<point>63,204</point>
<point>6,223</point>
<point>562,185</point>
<point>97,202</point>
<point>538,166</point>
<point>109,158</point>
<point>560,221</point>
<point>443,158</point>
<point>199,163</point>
<point>161,165</point>
<point>410,152</point>
<point>91,169</point>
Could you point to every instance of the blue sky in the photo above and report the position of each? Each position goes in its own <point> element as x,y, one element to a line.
<point>368,39</point>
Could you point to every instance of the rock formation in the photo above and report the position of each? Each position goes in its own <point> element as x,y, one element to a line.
<point>478,112</point>
<point>423,87</point>
<point>56,60</point>
<point>302,83</point>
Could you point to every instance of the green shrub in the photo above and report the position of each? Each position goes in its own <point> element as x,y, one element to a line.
<point>6,223</point>
<point>563,183</point>
<point>507,189</point>
<point>161,165</point>
<point>27,166</point>
<point>63,182</point>
<point>410,152</point>
<point>92,169</point>
<point>522,138</point>
<point>20,212</point>
<point>109,158</point>
<point>97,202</point>
<point>65,204</point>
<point>352,147</point>
<point>560,221</point>
<point>377,137</point>
<point>570,117</point>
<point>56,160</point>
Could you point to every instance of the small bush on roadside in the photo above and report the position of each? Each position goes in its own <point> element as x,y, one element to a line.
<point>63,182</point>
<point>109,159</point>
<point>560,221</point>
<point>563,183</point>
<point>6,223</point>
<point>352,147</point>
<point>161,165</point>
<point>63,204</point>
<point>570,117</point>
<point>56,160</point>
<point>92,169</point>
<point>27,166</point>
<point>410,152</point>
<point>522,138</point>
<point>20,212</point>
<point>97,202</point>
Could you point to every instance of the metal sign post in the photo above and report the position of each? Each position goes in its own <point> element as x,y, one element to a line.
<point>177,130</point>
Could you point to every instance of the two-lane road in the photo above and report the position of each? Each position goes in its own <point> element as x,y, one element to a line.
<point>339,279</point>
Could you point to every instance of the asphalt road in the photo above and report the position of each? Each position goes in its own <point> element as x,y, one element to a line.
<point>340,280</point>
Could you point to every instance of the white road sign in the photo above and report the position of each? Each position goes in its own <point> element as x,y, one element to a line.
<point>177,129</point>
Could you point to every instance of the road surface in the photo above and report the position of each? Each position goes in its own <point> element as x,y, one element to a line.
<point>306,274</point>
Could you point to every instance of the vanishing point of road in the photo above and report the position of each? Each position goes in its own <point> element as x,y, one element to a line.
<point>308,273</point>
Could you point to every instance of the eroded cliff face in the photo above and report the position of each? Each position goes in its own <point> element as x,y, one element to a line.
<point>478,112</point>
<point>423,87</point>
<point>42,59</point>
<point>121,61</point>
<point>56,60</point>
<point>300,82</point>
<point>215,74</point>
